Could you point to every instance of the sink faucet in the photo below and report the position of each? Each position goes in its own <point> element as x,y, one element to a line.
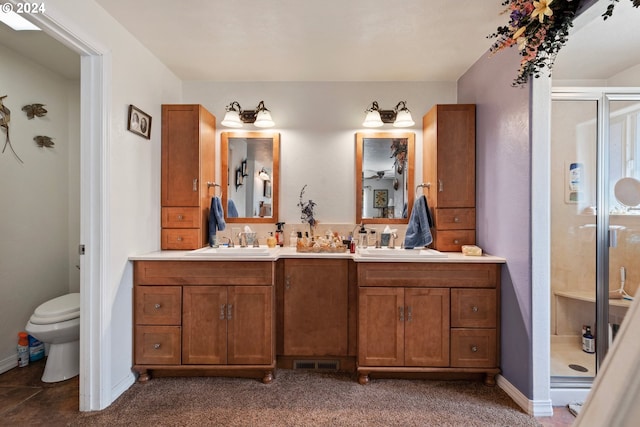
<point>392,241</point>
<point>243,240</point>
<point>230,244</point>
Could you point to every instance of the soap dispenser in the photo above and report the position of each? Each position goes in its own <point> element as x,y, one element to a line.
<point>280,234</point>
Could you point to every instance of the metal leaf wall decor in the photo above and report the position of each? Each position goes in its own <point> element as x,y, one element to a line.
<point>44,141</point>
<point>34,110</point>
<point>5,118</point>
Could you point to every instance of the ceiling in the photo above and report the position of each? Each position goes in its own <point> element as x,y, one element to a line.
<point>337,40</point>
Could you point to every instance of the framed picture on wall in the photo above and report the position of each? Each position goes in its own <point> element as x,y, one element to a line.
<point>380,198</point>
<point>139,122</point>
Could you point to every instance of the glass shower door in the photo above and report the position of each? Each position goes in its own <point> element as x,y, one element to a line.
<point>595,227</point>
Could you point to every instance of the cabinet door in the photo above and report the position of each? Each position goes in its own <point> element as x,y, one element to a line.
<point>180,155</point>
<point>426,327</point>
<point>204,333</point>
<point>381,327</point>
<point>449,155</point>
<point>316,307</point>
<point>250,317</point>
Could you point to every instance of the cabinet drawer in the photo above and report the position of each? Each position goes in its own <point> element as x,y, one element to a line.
<point>452,240</point>
<point>158,305</point>
<point>473,348</point>
<point>157,345</point>
<point>473,308</point>
<point>455,219</point>
<point>203,273</point>
<point>180,217</point>
<point>181,238</point>
<point>431,274</point>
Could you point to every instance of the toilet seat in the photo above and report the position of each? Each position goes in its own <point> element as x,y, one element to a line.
<point>60,309</point>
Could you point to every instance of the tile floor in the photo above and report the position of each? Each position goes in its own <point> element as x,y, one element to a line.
<point>27,401</point>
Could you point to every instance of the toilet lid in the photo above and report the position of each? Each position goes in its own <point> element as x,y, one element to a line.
<point>65,307</point>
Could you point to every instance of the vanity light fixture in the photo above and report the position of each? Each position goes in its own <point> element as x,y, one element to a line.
<point>236,116</point>
<point>400,116</point>
<point>264,175</point>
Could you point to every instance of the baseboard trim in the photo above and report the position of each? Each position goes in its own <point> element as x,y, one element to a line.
<point>122,386</point>
<point>540,408</point>
<point>8,363</point>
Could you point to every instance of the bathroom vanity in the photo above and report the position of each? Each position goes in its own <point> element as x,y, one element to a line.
<point>245,315</point>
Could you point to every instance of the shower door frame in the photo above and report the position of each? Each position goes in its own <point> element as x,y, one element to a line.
<point>603,97</point>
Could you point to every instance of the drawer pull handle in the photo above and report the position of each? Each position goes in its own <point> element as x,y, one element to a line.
<point>401,313</point>
<point>179,217</point>
<point>440,186</point>
<point>229,311</point>
<point>456,241</point>
<point>222,311</point>
<point>157,306</point>
<point>474,309</point>
<point>179,239</point>
<point>287,282</point>
<point>456,219</point>
<point>156,346</point>
<point>474,349</point>
<point>195,184</point>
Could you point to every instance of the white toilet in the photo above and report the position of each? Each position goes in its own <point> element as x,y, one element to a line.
<point>57,323</point>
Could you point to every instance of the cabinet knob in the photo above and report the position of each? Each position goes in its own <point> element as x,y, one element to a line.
<point>229,311</point>
<point>156,346</point>
<point>195,185</point>
<point>179,239</point>
<point>474,309</point>
<point>456,241</point>
<point>409,313</point>
<point>456,219</point>
<point>222,311</point>
<point>157,306</point>
<point>474,349</point>
<point>401,313</point>
<point>440,186</point>
<point>179,217</point>
<point>287,282</point>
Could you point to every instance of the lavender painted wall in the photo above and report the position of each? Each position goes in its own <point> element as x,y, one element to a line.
<point>503,198</point>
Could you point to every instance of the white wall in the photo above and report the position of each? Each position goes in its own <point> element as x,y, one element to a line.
<point>39,213</point>
<point>132,187</point>
<point>317,122</point>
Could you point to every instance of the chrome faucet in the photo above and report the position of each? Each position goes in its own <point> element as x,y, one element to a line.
<point>230,244</point>
<point>243,239</point>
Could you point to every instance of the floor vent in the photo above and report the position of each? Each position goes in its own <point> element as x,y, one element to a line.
<point>325,365</point>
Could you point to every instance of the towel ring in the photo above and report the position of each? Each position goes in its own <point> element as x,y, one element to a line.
<point>423,185</point>
<point>213,184</point>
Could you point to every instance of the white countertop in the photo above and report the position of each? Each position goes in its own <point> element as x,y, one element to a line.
<point>288,252</point>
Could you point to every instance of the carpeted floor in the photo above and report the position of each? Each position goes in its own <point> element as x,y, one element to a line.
<point>307,398</point>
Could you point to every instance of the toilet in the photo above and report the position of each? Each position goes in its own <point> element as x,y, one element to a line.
<point>57,323</point>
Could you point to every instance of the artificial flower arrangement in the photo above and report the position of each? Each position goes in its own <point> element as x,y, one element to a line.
<point>539,29</point>
<point>329,243</point>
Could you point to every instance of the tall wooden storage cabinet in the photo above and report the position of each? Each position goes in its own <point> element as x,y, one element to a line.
<point>188,169</point>
<point>449,165</point>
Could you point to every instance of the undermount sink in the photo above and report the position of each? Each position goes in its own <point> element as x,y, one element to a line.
<point>223,251</point>
<point>401,253</point>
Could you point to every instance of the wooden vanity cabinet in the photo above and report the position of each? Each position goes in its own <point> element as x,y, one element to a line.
<point>188,166</point>
<point>316,321</point>
<point>417,318</point>
<point>449,166</point>
<point>208,317</point>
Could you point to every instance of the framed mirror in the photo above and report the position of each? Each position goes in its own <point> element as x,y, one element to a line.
<point>384,177</point>
<point>250,164</point>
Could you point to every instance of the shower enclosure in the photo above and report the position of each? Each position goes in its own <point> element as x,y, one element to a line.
<point>595,225</point>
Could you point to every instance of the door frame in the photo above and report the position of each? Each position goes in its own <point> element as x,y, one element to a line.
<point>95,101</point>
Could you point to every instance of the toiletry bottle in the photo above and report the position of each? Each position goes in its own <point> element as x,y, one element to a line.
<point>588,341</point>
<point>271,240</point>
<point>279,234</point>
<point>23,349</point>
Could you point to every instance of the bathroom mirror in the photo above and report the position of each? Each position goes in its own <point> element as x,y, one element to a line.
<point>250,171</point>
<point>384,177</point>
